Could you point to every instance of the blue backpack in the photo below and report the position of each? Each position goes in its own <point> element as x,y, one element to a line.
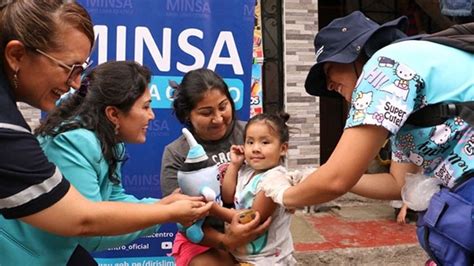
<point>446,229</point>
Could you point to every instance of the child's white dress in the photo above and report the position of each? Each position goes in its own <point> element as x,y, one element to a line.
<point>275,246</point>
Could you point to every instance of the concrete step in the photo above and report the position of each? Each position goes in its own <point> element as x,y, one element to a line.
<point>396,255</point>
<point>354,231</point>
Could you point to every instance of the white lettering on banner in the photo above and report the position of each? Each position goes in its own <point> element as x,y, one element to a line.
<point>154,263</point>
<point>142,263</point>
<point>154,92</point>
<point>110,3</point>
<point>193,6</point>
<point>158,125</point>
<point>169,92</point>
<point>101,39</point>
<point>160,235</point>
<point>122,247</point>
<point>185,45</point>
<point>121,45</point>
<point>249,10</point>
<point>136,246</point>
<point>162,59</point>
<point>236,93</point>
<point>226,38</point>
<point>141,180</point>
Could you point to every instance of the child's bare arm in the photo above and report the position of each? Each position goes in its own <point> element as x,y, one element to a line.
<point>230,178</point>
<point>264,205</point>
<point>401,217</point>
<point>229,183</point>
<point>222,213</point>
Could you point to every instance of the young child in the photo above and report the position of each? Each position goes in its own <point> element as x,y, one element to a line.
<point>265,146</point>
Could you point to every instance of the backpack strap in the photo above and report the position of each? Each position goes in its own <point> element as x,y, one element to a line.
<point>460,36</point>
<point>435,114</point>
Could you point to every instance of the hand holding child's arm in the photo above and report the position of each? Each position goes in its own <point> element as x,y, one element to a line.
<point>275,186</point>
<point>230,178</point>
<point>177,195</point>
<point>186,212</point>
<point>238,234</point>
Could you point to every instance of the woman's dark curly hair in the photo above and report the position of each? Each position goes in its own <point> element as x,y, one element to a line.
<point>117,84</point>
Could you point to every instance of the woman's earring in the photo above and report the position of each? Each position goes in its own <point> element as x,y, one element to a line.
<point>116,130</point>
<point>15,80</point>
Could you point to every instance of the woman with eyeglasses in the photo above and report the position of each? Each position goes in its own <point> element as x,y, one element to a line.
<point>44,46</point>
<point>84,137</point>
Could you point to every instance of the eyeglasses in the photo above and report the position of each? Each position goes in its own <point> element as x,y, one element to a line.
<point>75,70</point>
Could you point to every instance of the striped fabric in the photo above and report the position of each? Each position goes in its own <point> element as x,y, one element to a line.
<point>28,181</point>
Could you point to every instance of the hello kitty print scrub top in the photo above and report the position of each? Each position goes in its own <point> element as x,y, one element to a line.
<point>402,78</point>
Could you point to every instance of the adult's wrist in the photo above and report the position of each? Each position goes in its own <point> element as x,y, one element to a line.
<point>168,213</point>
<point>162,201</point>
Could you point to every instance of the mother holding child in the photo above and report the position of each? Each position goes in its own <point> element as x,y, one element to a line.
<point>204,105</point>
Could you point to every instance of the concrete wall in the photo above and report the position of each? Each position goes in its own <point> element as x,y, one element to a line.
<point>300,25</point>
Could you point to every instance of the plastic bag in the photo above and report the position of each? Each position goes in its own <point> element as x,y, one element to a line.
<point>418,190</point>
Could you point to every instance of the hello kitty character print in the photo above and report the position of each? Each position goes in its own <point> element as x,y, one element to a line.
<point>400,86</point>
<point>440,134</point>
<point>360,103</point>
<point>395,83</point>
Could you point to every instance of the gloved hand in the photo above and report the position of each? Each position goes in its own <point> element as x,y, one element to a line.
<point>297,176</point>
<point>275,184</point>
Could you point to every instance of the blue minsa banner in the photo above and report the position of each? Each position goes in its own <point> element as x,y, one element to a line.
<point>171,37</point>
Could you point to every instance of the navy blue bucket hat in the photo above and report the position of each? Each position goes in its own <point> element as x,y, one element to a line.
<point>343,40</point>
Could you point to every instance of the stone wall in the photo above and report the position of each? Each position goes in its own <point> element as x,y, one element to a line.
<point>300,25</point>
